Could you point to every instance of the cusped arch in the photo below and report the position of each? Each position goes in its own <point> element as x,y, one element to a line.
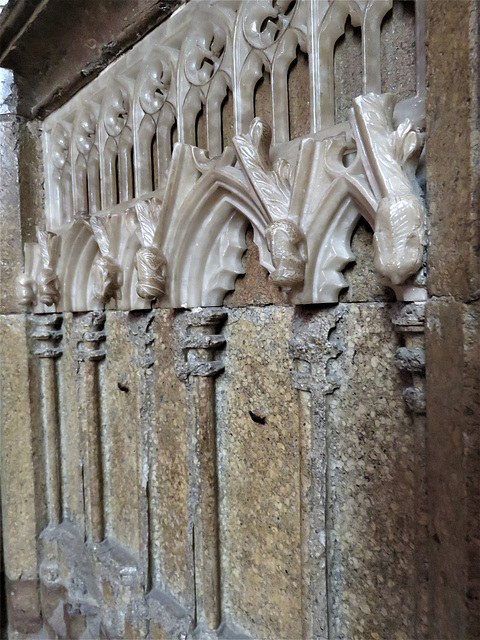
<point>205,240</point>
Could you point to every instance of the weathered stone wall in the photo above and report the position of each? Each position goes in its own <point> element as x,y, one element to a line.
<point>155,477</point>
<point>362,505</point>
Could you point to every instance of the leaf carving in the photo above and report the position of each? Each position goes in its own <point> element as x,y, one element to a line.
<point>102,230</point>
<point>148,214</point>
<point>48,283</point>
<point>49,248</point>
<point>271,185</point>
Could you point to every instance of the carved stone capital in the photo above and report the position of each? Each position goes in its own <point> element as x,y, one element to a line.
<point>409,321</point>
<point>150,261</point>
<point>91,346</point>
<point>47,281</point>
<point>199,340</point>
<point>47,335</point>
<point>287,244</point>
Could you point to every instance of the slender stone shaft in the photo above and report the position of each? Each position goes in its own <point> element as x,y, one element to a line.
<point>200,342</point>
<point>207,565</point>
<point>90,352</point>
<point>48,334</point>
<point>51,440</point>
<point>94,506</point>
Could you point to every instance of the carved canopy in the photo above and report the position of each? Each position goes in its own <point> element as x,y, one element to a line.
<point>147,198</point>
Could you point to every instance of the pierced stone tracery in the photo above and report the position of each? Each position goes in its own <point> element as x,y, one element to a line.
<point>147,201</point>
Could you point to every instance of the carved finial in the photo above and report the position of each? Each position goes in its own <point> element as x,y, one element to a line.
<point>389,157</point>
<point>48,282</point>
<point>273,187</point>
<point>150,261</point>
<point>288,246</point>
<point>107,274</point>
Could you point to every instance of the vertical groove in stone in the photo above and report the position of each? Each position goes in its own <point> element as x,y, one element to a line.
<point>154,530</point>
<point>152,488</point>
<point>51,440</point>
<point>305,445</point>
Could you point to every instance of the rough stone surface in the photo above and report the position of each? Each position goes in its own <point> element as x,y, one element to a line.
<point>398,50</point>
<point>121,395</point>
<point>364,282</point>
<point>253,288</point>
<point>453,392</point>
<point>452,336</point>
<point>57,48</point>
<point>298,96</point>
<point>453,118</point>
<point>20,526</point>
<point>348,70</point>
<point>371,536</point>
<point>11,247</point>
<point>258,472</point>
<point>168,484</point>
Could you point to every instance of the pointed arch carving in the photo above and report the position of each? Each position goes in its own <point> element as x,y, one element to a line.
<point>111,154</point>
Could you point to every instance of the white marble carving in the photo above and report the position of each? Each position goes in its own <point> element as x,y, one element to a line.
<point>150,260</point>
<point>47,280</point>
<point>152,181</point>
<point>389,157</point>
<point>106,272</point>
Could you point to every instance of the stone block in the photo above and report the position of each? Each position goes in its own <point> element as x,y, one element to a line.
<point>165,410</point>
<point>121,391</point>
<point>11,246</point>
<point>18,479</point>
<point>372,534</point>
<point>258,462</point>
<point>453,148</point>
<point>453,392</point>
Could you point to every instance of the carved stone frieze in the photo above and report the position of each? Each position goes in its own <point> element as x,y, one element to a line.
<point>149,200</point>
